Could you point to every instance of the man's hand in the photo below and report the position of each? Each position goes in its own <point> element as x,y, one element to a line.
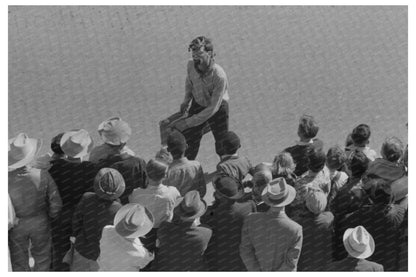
<point>184,107</point>
<point>180,125</point>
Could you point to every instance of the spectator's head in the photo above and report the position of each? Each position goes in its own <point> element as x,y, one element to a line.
<point>156,170</point>
<point>308,128</point>
<point>133,220</point>
<point>358,242</point>
<point>284,164</point>
<point>22,151</point>
<point>202,51</point>
<point>56,144</point>
<point>164,155</point>
<point>190,207</point>
<point>228,188</point>
<point>260,180</point>
<point>316,160</point>
<point>361,135</point>
<point>316,201</point>
<point>76,144</point>
<point>359,164</point>
<point>230,143</point>
<point>335,158</point>
<point>109,184</point>
<point>114,131</point>
<point>176,144</point>
<point>380,195</point>
<point>392,149</point>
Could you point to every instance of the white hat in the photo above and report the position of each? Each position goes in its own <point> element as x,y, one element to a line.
<point>278,193</point>
<point>133,220</point>
<point>358,242</point>
<point>22,150</point>
<point>76,143</point>
<point>316,201</point>
<point>114,131</point>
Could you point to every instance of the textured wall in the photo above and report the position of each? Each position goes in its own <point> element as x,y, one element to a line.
<point>72,67</point>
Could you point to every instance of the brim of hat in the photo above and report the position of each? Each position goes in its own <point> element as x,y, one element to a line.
<point>359,255</point>
<point>289,198</point>
<point>178,211</point>
<point>30,157</point>
<point>139,232</point>
<point>81,154</point>
<point>110,140</point>
<point>104,195</point>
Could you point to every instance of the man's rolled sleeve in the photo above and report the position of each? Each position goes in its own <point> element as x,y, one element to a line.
<point>220,85</point>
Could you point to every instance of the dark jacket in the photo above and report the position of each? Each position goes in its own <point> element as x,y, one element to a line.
<point>353,264</point>
<point>90,217</point>
<point>181,247</point>
<point>300,155</point>
<point>131,168</point>
<point>226,219</point>
<point>317,241</point>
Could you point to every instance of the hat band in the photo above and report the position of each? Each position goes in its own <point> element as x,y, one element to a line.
<point>280,199</point>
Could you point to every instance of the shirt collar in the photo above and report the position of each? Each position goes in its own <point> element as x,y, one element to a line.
<point>304,143</point>
<point>227,157</point>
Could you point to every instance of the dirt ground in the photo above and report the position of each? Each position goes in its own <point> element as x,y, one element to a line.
<point>72,67</point>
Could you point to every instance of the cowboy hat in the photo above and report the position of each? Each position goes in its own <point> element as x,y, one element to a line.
<point>114,131</point>
<point>190,207</point>
<point>358,242</point>
<point>22,151</point>
<point>109,184</point>
<point>228,187</point>
<point>133,220</point>
<point>278,193</point>
<point>76,143</point>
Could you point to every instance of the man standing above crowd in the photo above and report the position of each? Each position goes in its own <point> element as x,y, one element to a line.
<point>206,92</point>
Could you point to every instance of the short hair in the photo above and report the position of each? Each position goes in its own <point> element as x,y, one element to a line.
<point>156,169</point>
<point>230,143</point>
<point>358,163</point>
<point>317,159</point>
<point>262,178</point>
<point>336,157</point>
<point>392,149</point>
<point>284,163</point>
<point>199,42</point>
<point>308,127</point>
<point>176,143</point>
<point>361,134</point>
<point>56,144</point>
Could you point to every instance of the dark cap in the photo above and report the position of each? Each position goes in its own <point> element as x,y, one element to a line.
<point>230,143</point>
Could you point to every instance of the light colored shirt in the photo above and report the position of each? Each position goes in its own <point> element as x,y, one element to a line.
<point>160,200</point>
<point>312,181</point>
<point>121,254</point>
<point>208,91</point>
<point>341,180</point>
<point>186,175</point>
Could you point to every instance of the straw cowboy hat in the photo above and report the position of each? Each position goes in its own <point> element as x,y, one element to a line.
<point>228,187</point>
<point>76,143</point>
<point>22,151</point>
<point>190,206</point>
<point>114,131</point>
<point>358,242</point>
<point>109,184</point>
<point>278,193</point>
<point>133,220</point>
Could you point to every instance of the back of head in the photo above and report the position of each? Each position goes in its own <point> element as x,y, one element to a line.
<point>316,160</point>
<point>336,157</point>
<point>164,155</point>
<point>156,169</point>
<point>284,163</point>
<point>176,143</point>
<point>392,149</point>
<point>361,134</point>
<point>262,178</point>
<point>201,42</point>
<point>308,127</point>
<point>359,164</point>
<point>230,143</point>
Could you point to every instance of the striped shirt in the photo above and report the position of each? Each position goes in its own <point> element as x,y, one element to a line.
<point>208,91</point>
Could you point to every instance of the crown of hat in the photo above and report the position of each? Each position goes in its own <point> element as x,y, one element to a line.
<point>76,141</point>
<point>137,218</point>
<point>316,201</point>
<point>109,181</point>
<point>115,130</point>
<point>277,190</point>
<point>20,148</point>
<point>359,239</point>
<point>227,186</point>
<point>191,203</point>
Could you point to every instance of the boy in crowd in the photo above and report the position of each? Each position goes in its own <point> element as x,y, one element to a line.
<point>307,131</point>
<point>184,174</point>
<point>335,160</point>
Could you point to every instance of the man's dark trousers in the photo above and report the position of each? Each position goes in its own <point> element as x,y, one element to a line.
<point>218,124</point>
